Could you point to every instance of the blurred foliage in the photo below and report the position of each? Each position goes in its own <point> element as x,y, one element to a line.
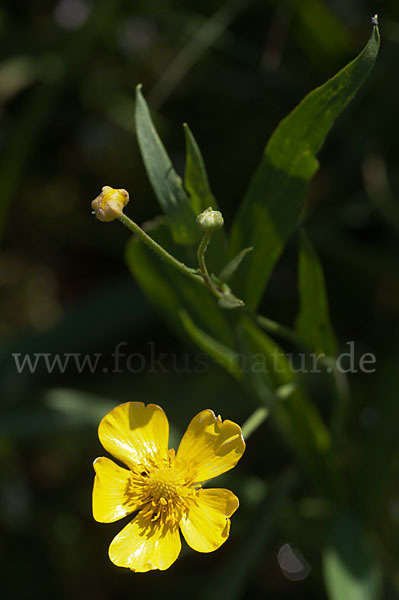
<point>233,70</point>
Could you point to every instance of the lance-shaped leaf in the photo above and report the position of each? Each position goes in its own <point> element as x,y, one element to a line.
<point>201,197</point>
<point>167,185</point>
<point>313,321</point>
<point>296,416</point>
<point>228,270</point>
<point>195,177</point>
<point>270,209</point>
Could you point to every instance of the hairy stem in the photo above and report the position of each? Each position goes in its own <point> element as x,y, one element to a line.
<point>151,243</point>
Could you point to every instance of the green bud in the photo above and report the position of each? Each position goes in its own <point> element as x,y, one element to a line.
<point>210,220</point>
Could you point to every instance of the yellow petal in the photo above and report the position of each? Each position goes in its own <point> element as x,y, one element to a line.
<point>206,525</point>
<point>210,445</point>
<point>113,494</point>
<point>144,545</point>
<point>133,433</point>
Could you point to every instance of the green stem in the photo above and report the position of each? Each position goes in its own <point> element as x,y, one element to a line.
<point>254,421</point>
<point>202,265</point>
<point>151,243</point>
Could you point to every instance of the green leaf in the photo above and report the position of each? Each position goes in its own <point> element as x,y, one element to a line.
<point>195,178</point>
<point>201,197</point>
<point>297,417</point>
<point>313,321</point>
<point>258,380</point>
<point>229,301</point>
<point>232,266</point>
<point>166,183</point>
<point>349,569</point>
<point>271,207</point>
<point>225,356</point>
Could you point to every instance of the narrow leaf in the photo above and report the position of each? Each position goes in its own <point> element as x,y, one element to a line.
<point>166,183</point>
<point>297,417</point>
<point>258,379</point>
<point>201,197</point>
<point>313,321</point>
<point>349,568</point>
<point>229,301</point>
<point>271,207</point>
<point>195,178</point>
<point>232,266</point>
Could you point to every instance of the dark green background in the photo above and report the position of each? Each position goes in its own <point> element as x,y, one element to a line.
<point>66,129</point>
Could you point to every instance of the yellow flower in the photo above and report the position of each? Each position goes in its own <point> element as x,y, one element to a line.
<point>163,486</point>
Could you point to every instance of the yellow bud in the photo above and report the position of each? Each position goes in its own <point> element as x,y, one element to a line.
<point>110,203</point>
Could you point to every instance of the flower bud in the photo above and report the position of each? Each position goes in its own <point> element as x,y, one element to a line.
<point>110,203</point>
<point>210,220</point>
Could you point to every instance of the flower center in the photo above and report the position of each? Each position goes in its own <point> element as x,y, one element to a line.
<point>164,485</point>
